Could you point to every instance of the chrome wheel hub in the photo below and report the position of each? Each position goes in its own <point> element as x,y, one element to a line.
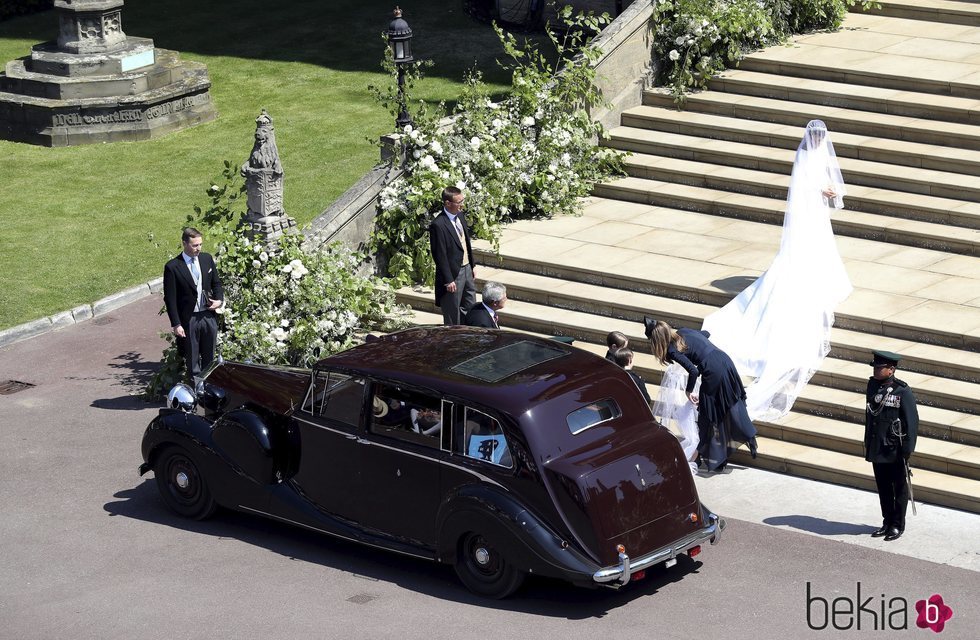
<point>482,556</point>
<point>182,480</point>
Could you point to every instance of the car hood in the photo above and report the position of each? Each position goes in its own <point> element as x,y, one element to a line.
<point>635,489</point>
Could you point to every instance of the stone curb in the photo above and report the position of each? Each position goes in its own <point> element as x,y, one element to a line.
<point>80,313</point>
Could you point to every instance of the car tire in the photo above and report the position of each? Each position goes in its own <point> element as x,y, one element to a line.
<point>182,485</point>
<point>484,570</point>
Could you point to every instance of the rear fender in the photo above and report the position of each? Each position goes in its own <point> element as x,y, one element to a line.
<point>521,537</point>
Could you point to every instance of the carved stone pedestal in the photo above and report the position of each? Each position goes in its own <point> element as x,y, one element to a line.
<point>263,184</point>
<point>96,84</point>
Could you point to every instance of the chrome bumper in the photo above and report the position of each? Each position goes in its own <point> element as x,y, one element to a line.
<point>620,574</point>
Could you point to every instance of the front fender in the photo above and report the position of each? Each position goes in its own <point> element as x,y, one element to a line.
<point>523,538</point>
<point>172,426</point>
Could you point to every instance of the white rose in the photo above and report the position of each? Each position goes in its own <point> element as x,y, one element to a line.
<point>475,142</point>
<point>679,40</point>
<point>256,264</point>
<point>264,257</point>
<point>673,55</point>
<point>528,121</point>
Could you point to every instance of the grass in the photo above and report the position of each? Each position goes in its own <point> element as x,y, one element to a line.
<point>77,222</point>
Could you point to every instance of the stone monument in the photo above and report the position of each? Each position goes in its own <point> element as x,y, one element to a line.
<point>263,184</point>
<point>96,84</point>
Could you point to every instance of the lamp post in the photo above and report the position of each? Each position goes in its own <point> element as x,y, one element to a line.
<point>400,39</point>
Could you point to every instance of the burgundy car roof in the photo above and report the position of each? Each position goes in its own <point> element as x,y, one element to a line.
<point>448,360</point>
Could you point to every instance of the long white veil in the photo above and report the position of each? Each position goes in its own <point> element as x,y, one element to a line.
<point>778,329</point>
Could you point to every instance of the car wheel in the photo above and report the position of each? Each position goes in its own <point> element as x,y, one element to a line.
<point>181,484</point>
<point>484,570</point>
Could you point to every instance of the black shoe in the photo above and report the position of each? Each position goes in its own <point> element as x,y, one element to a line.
<point>893,534</point>
<point>753,448</point>
<point>883,531</point>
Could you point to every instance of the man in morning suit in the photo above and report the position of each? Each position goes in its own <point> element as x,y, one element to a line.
<point>191,292</point>
<point>485,313</point>
<point>891,423</point>
<point>449,240</point>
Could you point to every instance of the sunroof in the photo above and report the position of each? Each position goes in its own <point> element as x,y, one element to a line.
<point>498,364</point>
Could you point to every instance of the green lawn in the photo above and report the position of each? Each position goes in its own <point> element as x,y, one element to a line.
<point>76,221</point>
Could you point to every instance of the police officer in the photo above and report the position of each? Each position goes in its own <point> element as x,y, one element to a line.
<point>891,421</point>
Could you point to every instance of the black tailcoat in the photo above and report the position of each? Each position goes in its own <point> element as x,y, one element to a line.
<point>180,292</point>
<point>447,252</point>
<point>478,316</point>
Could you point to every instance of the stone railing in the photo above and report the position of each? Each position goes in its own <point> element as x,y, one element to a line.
<point>626,66</point>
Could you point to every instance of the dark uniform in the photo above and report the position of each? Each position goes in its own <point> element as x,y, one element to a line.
<point>891,422</point>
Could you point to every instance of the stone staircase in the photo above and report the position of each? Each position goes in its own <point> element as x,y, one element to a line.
<point>698,217</point>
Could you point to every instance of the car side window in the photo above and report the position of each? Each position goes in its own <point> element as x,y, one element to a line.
<point>335,396</point>
<point>483,439</point>
<point>406,415</point>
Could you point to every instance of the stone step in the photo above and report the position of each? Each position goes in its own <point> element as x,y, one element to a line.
<point>943,388</point>
<point>856,171</point>
<point>845,437</point>
<point>947,11</point>
<point>884,202</point>
<point>936,422</point>
<point>855,224</point>
<point>702,119</point>
<point>928,106</point>
<point>698,258</point>
<point>840,468</point>
<point>860,123</point>
<point>166,71</point>
<point>685,297</point>
<point>800,59</point>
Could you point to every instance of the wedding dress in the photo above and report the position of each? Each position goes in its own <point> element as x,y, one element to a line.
<point>778,329</point>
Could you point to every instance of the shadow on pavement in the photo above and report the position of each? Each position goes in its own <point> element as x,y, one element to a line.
<point>734,284</point>
<point>124,403</point>
<point>538,595</point>
<point>820,526</point>
<point>132,371</point>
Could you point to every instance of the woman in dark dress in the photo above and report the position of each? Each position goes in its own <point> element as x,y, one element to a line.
<point>723,421</point>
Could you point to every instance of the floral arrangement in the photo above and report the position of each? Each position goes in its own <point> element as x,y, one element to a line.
<point>534,154</point>
<point>695,39</point>
<point>284,304</point>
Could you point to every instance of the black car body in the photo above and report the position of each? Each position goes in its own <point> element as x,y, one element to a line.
<point>497,452</point>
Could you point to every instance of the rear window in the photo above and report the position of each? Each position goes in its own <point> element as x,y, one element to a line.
<point>498,364</point>
<point>592,414</point>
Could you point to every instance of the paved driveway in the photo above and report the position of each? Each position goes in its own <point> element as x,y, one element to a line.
<point>89,551</point>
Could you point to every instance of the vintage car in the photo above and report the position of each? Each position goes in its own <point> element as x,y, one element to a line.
<point>500,453</point>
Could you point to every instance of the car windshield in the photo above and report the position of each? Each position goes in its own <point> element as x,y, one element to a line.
<point>498,364</point>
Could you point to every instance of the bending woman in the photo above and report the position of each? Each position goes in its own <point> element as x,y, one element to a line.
<point>723,422</point>
<point>778,329</point>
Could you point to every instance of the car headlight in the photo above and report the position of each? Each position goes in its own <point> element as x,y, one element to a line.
<point>182,397</point>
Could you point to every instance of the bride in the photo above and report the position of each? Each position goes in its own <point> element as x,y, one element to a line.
<point>778,329</point>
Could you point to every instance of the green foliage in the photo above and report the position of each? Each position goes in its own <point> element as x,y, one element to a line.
<point>697,38</point>
<point>284,304</point>
<point>535,154</point>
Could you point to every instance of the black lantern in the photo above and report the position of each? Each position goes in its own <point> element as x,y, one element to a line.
<point>400,39</point>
